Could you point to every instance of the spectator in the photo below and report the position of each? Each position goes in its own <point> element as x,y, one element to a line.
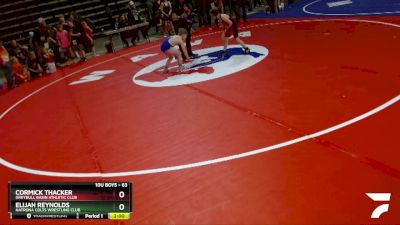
<point>88,36</point>
<point>274,5</point>
<point>156,15</point>
<point>19,73</point>
<point>42,38</point>
<point>75,16</point>
<point>76,38</point>
<point>6,65</point>
<point>33,66</point>
<point>250,3</point>
<point>166,17</point>
<point>63,23</point>
<point>214,10</point>
<point>48,57</point>
<point>281,5</point>
<point>110,18</point>
<point>201,7</point>
<point>220,5</point>
<point>239,5</point>
<point>188,13</point>
<point>134,18</point>
<point>41,35</point>
<point>19,51</point>
<point>148,4</point>
<point>122,23</point>
<point>257,3</point>
<point>63,39</point>
<point>90,23</point>
<point>267,8</point>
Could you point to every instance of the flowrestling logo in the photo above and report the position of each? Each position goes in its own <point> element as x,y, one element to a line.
<point>380,197</point>
<point>207,66</point>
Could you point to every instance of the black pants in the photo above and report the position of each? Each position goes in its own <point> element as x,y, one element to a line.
<point>187,27</point>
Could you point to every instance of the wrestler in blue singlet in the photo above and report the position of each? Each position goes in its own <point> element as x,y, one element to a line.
<point>166,45</point>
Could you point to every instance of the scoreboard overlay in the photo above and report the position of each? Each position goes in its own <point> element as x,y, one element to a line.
<point>70,200</point>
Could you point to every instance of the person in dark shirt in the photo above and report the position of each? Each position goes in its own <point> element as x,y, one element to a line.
<point>182,19</point>
<point>77,37</point>
<point>134,18</point>
<point>19,51</point>
<point>41,36</point>
<point>42,39</point>
<point>155,18</point>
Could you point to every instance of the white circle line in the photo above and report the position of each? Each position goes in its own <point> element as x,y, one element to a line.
<point>206,162</point>
<point>66,76</point>
<point>344,14</point>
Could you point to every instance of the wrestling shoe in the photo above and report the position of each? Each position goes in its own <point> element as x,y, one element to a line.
<point>246,50</point>
<point>181,69</point>
<point>222,54</point>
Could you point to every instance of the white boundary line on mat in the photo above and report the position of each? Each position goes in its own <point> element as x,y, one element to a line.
<point>345,14</point>
<point>206,162</point>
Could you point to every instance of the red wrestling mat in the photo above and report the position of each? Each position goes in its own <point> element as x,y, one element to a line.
<point>296,132</point>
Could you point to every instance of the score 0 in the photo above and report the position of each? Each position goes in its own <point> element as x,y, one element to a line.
<point>122,194</point>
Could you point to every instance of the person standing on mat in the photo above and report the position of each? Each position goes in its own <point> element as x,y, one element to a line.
<point>167,47</point>
<point>183,21</point>
<point>229,28</point>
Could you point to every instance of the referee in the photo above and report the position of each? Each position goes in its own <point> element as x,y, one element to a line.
<point>184,19</point>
